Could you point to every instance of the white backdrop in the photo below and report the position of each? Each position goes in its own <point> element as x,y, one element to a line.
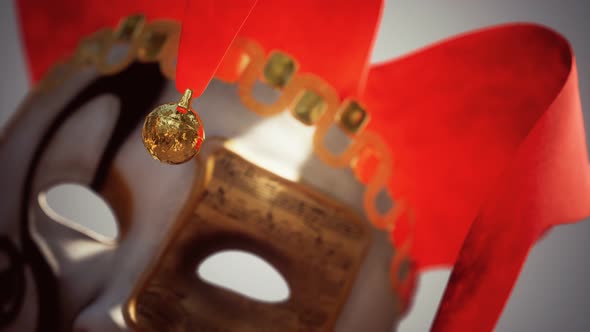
<point>553,292</point>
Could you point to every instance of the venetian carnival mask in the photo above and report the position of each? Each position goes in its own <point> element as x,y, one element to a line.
<point>256,186</point>
<point>303,167</point>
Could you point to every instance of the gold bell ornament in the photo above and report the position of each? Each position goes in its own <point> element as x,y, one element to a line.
<point>173,133</point>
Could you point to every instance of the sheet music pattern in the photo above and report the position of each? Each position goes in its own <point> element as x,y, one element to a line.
<point>316,243</point>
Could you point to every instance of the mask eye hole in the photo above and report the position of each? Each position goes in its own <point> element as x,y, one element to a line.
<point>81,209</point>
<point>245,274</point>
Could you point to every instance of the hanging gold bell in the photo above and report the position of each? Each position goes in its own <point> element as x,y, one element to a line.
<point>173,133</point>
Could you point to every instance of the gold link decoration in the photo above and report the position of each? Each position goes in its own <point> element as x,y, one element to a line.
<point>378,183</point>
<point>155,40</point>
<point>129,28</point>
<point>252,73</point>
<point>279,69</point>
<point>309,107</point>
<point>127,35</point>
<point>352,117</point>
<point>344,159</point>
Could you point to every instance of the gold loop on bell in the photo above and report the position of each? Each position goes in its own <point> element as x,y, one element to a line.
<point>173,133</point>
<point>186,99</point>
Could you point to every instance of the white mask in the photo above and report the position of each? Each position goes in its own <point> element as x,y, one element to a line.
<point>87,130</point>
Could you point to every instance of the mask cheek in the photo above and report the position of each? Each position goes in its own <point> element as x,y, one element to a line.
<point>156,195</point>
<point>20,141</point>
<point>68,241</point>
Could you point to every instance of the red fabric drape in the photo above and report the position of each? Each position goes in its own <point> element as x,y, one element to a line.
<point>487,135</point>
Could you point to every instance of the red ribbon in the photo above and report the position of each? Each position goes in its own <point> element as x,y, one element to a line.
<point>208,29</point>
<point>486,129</point>
<point>487,134</point>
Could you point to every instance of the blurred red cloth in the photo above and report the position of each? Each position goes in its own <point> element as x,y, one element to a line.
<point>487,134</point>
<point>486,129</point>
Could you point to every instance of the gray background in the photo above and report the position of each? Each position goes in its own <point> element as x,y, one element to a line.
<point>553,291</point>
